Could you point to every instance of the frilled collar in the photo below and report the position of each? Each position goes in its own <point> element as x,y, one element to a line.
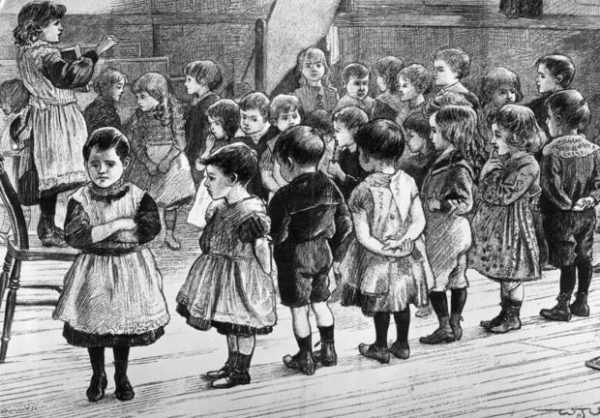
<point>109,194</point>
<point>570,146</point>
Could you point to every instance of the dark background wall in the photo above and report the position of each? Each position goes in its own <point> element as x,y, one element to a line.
<point>223,30</point>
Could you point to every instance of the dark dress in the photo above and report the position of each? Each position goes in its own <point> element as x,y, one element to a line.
<point>348,161</point>
<point>259,145</point>
<point>102,113</point>
<point>197,127</point>
<point>113,291</point>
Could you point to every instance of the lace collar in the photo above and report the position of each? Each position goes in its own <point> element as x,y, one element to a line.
<point>109,194</point>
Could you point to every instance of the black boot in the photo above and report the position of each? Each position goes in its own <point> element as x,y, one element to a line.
<point>226,369</point>
<point>457,304</point>
<point>303,360</point>
<point>580,306</point>
<point>327,355</point>
<point>561,311</point>
<point>123,389</point>
<point>98,383</point>
<point>443,334</point>
<point>497,320</point>
<point>511,320</point>
<point>239,375</point>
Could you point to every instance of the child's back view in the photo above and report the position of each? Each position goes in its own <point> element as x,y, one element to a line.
<point>309,224</point>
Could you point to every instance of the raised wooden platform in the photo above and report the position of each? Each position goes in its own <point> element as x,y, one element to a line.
<point>534,372</point>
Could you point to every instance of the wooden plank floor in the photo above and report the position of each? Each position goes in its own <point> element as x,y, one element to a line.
<point>534,372</point>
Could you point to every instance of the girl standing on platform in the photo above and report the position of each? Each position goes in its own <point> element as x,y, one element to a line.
<point>230,286</point>
<point>386,264</point>
<point>156,131</point>
<point>505,243</point>
<point>315,90</point>
<point>58,127</point>
<point>448,197</point>
<point>112,293</point>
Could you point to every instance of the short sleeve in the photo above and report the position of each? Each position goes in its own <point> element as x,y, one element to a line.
<point>254,227</point>
<point>361,200</point>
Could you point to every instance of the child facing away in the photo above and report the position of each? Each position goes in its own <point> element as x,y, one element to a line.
<point>315,90</point>
<point>414,82</point>
<point>285,112</point>
<point>451,65</point>
<point>421,153</point>
<point>570,179</point>
<point>447,194</point>
<point>386,264</point>
<point>112,294</point>
<point>157,135</point>
<point>230,286</point>
<point>102,111</point>
<point>356,83</point>
<point>309,225</point>
<point>554,73</point>
<point>224,121</point>
<point>256,132</point>
<point>387,103</point>
<point>505,243</point>
<point>202,78</point>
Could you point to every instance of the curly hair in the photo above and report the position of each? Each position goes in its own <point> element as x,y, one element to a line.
<point>496,78</point>
<point>419,76</point>
<point>389,67</point>
<point>458,125</point>
<point>158,87</point>
<point>520,122</point>
<point>107,78</point>
<point>228,113</point>
<point>33,17</point>
<point>457,59</point>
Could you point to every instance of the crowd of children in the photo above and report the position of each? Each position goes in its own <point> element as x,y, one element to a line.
<point>395,196</point>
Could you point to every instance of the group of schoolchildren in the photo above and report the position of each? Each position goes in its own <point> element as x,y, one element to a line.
<point>397,196</point>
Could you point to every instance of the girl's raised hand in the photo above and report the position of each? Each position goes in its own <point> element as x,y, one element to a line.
<point>106,43</point>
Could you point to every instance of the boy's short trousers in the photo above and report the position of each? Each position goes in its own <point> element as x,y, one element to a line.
<point>570,236</point>
<point>303,272</point>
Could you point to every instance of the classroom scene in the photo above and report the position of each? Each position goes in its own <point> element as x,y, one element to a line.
<point>312,208</point>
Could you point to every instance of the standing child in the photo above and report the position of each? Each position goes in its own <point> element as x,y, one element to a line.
<point>570,178</point>
<point>310,223</point>
<point>315,90</point>
<point>387,103</point>
<point>450,67</point>
<point>202,78</point>
<point>422,154</point>
<point>499,87</point>
<point>555,72</point>
<point>285,112</point>
<point>113,291</point>
<point>230,286</point>
<point>414,82</point>
<point>157,137</point>
<point>224,121</point>
<point>505,245</point>
<point>102,111</point>
<point>254,123</point>
<point>356,82</point>
<point>385,264</point>
<point>448,196</point>
<point>57,123</point>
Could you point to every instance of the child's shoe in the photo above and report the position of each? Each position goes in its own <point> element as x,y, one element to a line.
<point>95,391</point>
<point>511,321</point>
<point>327,355</point>
<point>239,374</point>
<point>423,311</point>
<point>580,306</point>
<point>497,320</point>
<point>443,334</point>
<point>171,241</point>
<point>302,361</point>
<point>455,326</point>
<point>400,349</point>
<point>560,312</point>
<point>382,355</point>
<point>123,391</point>
<point>225,370</point>
<point>593,363</point>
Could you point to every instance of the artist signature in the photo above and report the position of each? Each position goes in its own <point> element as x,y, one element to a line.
<point>8,411</point>
<point>575,412</point>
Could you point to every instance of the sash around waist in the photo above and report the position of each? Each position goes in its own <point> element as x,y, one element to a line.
<point>43,102</point>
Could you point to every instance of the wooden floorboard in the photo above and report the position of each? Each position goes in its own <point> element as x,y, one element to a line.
<point>531,373</point>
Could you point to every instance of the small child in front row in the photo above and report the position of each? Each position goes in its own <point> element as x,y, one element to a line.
<point>230,285</point>
<point>509,189</point>
<point>112,294</point>
<point>447,195</point>
<point>285,112</point>
<point>386,265</point>
<point>356,83</point>
<point>160,166</point>
<point>570,179</point>
<point>224,120</point>
<point>310,224</point>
